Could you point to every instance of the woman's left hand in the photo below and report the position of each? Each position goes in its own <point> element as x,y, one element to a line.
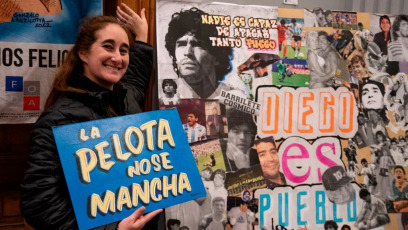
<point>138,23</point>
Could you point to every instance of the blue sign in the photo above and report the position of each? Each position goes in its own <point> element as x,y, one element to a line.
<point>113,166</point>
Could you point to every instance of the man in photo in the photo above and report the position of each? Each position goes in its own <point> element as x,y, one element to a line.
<point>359,68</point>
<point>351,155</point>
<point>296,30</point>
<point>396,152</point>
<point>237,150</point>
<point>337,185</point>
<point>173,224</point>
<point>194,131</point>
<point>329,17</point>
<point>320,17</point>
<point>241,217</point>
<point>400,188</point>
<point>372,95</point>
<point>369,172</point>
<point>365,130</point>
<point>398,91</point>
<point>330,225</point>
<point>316,63</point>
<point>383,38</point>
<point>282,67</point>
<point>216,123</point>
<point>377,63</point>
<point>270,162</point>
<point>398,48</point>
<point>330,55</point>
<point>218,189</point>
<point>217,220</point>
<point>170,97</point>
<point>258,62</point>
<point>282,28</point>
<point>199,64</point>
<point>246,196</point>
<point>373,213</point>
<point>364,34</point>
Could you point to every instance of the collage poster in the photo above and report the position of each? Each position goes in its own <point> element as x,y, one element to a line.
<point>297,118</point>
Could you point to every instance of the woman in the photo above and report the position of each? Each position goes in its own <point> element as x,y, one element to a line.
<point>383,38</point>
<point>93,83</point>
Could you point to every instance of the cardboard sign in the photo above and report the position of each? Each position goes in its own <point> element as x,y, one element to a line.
<point>114,166</point>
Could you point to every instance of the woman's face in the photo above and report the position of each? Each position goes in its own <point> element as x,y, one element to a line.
<point>372,97</point>
<point>107,59</point>
<point>385,25</point>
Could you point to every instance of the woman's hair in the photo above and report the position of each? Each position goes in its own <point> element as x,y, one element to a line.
<point>72,64</point>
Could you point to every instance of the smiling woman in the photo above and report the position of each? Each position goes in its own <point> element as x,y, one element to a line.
<point>105,74</point>
<point>106,61</point>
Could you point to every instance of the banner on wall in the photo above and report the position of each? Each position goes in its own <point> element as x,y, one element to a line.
<point>36,36</point>
<point>114,166</point>
<point>312,130</point>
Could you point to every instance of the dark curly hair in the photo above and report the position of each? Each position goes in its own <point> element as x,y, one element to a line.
<point>331,223</point>
<point>189,21</point>
<point>396,25</point>
<point>171,82</point>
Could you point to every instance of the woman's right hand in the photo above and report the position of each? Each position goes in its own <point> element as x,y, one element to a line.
<point>138,23</point>
<point>136,221</point>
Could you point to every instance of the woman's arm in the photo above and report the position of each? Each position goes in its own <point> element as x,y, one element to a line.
<point>140,67</point>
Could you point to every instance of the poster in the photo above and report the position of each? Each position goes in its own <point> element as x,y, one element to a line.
<point>322,114</point>
<point>36,36</point>
<point>114,166</point>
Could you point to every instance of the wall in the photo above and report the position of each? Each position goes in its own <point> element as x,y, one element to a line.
<point>370,6</point>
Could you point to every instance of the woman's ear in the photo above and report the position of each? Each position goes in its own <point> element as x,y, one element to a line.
<point>83,55</point>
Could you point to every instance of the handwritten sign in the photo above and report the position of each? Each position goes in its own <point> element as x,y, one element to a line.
<point>113,166</point>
